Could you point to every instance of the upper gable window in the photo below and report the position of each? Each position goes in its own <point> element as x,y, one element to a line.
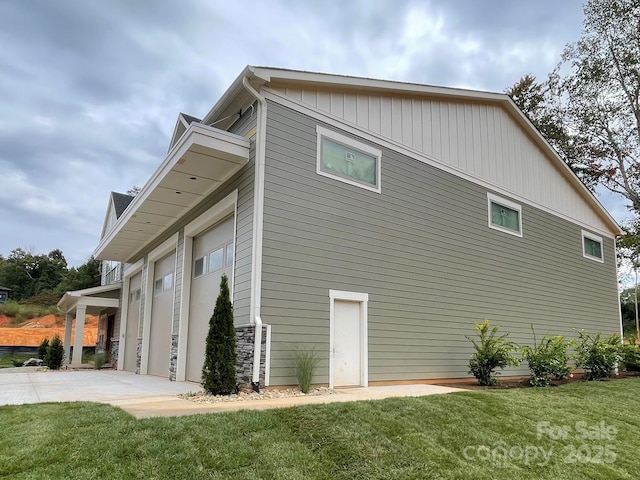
<point>348,160</point>
<point>592,246</point>
<point>504,215</point>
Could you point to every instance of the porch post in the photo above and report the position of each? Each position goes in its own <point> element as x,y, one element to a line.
<point>68,320</point>
<point>81,311</point>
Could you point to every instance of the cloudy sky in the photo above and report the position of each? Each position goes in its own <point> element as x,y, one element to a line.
<point>90,89</point>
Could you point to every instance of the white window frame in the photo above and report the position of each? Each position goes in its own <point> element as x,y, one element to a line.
<point>492,198</point>
<point>595,238</point>
<point>351,143</point>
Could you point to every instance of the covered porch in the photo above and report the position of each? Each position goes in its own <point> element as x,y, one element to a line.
<point>76,305</point>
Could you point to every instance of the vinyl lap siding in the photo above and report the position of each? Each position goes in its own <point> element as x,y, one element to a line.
<point>423,252</point>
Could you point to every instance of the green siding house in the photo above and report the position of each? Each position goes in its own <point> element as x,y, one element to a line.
<point>372,220</point>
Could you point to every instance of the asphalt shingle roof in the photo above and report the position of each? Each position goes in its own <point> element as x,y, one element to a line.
<point>121,202</point>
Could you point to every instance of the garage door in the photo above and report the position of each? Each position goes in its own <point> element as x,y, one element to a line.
<point>213,254</point>
<point>133,322</point>
<point>162,316</point>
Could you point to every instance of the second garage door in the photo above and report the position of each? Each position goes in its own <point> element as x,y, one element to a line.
<point>162,316</point>
<point>213,255</point>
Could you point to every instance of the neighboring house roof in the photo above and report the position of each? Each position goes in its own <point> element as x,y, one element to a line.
<point>5,288</point>
<point>120,202</point>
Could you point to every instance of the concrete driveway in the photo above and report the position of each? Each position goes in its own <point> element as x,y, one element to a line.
<point>145,396</point>
<point>105,386</point>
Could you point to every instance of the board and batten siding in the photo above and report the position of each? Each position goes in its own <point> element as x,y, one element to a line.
<point>424,253</point>
<point>478,139</point>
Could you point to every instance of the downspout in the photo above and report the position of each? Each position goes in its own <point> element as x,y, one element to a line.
<point>258,209</point>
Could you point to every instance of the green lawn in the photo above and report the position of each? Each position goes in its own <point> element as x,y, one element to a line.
<point>430,437</point>
<point>6,359</point>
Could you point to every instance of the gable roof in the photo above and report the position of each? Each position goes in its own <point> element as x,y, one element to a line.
<point>5,288</point>
<point>120,202</point>
<point>189,118</point>
<point>272,79</point>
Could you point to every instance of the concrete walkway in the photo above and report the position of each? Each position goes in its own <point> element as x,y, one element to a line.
<point>145,396</point>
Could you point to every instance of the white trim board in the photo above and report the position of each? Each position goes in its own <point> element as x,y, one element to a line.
<point>336,122</point>
<point>363,300</point>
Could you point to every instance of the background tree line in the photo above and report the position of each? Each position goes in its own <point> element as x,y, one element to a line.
<point>42,279</point>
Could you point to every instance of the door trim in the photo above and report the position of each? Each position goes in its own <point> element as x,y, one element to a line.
<point>363,300</point>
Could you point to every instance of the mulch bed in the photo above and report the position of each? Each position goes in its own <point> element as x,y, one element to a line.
<point>523,382</point>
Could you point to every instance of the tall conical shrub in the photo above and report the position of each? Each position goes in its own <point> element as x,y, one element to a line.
<point>219,369</point>
<point>55,353</point>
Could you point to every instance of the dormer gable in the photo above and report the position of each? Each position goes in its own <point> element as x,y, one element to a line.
<point>183,122</point>
<point>118,203</point>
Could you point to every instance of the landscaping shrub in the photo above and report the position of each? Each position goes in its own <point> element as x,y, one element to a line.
<point>42,349</point>
<point>631,355</point>
<point>55,353</point>
<point>492,352</point>
<point>598,356</point>
<point>99,360</point>
<point>306,359</point>
<point>219,369</point>
<point>548,359</point>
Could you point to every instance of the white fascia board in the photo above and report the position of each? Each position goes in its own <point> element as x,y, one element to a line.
<point>235,144</point>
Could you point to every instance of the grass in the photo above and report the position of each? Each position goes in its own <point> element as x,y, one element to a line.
<point>6,360</point>
<point>20,312</point>
<point>416,438</point>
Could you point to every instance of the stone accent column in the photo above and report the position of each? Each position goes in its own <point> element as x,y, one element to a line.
<point>68,321</point>
<point>114,352</point>
<point>138,355</point>
<point>173,357</point>
<point>244,355</point>
<point>81,312</point>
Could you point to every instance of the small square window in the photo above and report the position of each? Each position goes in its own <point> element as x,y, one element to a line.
<point>230,250</point>
<point>157,289</point>
<point>348,160</point>
<point>504,215</point>
<point>215,260</point>
<point>592,246</point>
<point>167,282</point>
<point>198,267</point>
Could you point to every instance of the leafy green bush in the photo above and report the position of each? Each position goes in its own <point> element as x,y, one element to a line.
<point>548,359</point>
<point>42,349</point>
<point>306,360</point>
<point>631,355</point>
<point>219,369</point>
<point>598,356</point>
<point>491,352</point>
<point>55,353</point>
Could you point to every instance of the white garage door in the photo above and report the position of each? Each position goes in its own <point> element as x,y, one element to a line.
<point>162,316</point>
<point>133,322</point>
<point>213,256</point>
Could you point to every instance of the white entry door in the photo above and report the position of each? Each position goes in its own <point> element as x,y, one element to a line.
<point>347,343</point>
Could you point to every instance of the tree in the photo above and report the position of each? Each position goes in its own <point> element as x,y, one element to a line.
<point>86,275</point>
<point>219,369</point>
<point>541,102</point>
<point>55,353</point>
<point>593,96</point>
<point>603,92</point>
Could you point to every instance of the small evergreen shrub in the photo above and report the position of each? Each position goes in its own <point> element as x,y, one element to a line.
<point>42,349</point>
<point>631,355</point>
<point>492,352</point>
<point>547,360</point>
<point>598,356</point>
<point>55,353</point>
<point>219,369</point>
<point>306,360</point>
